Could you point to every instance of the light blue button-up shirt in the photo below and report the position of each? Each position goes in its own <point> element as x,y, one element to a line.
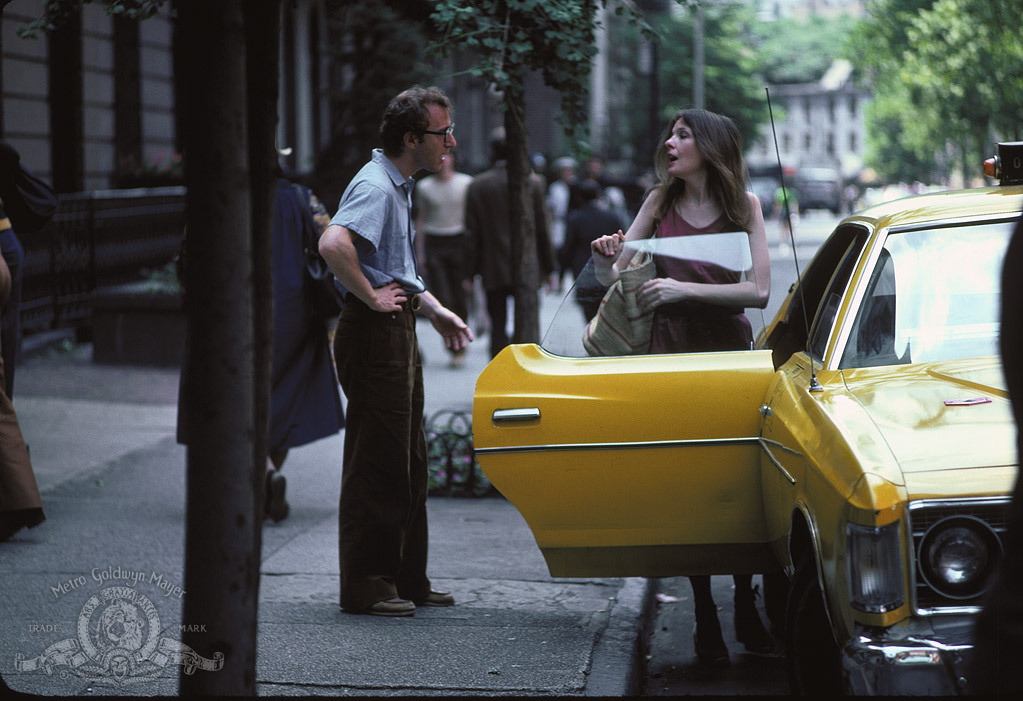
<point>377,206</point>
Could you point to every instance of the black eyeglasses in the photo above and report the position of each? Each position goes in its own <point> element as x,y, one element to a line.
<point>446,133</point>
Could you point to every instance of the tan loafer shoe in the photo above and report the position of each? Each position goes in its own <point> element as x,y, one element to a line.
<point>437,598</point>
<point>390,607</point>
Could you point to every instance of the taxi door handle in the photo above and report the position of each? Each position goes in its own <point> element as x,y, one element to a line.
<point>516,415</point>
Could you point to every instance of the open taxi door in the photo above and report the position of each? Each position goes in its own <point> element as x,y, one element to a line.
<point>643,465</point>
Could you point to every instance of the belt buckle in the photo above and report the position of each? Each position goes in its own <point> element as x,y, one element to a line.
<point>415,303</point>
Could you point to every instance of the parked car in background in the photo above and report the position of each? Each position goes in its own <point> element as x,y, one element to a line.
<point>765,187</point>
<point>819,188</point>
<point>865,447</point>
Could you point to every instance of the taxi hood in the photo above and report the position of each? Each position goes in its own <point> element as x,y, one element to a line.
<point>941,416</point>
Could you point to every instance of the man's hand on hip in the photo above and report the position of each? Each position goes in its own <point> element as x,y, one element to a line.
<point>388,298</point>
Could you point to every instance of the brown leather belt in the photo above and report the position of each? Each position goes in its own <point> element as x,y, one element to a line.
<point>414,302</point>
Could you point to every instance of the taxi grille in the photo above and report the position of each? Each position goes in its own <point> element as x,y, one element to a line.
<point>925,514</point>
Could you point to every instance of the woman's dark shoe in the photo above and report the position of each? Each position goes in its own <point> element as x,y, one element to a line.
<point>710,644</point>
<point>277,506</point>
<point>750,631</point>
<point>13,521</point>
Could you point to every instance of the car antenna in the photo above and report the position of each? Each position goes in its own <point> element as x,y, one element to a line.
<point>815,386</point>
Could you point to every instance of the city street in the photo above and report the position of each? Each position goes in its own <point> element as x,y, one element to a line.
<point>168,174</point>
<point>112,479</point>
<point>107,566</point>
<point>811,229</point>
<point>672,668</point>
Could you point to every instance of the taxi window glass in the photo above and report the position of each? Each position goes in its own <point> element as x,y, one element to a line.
<point>933,295</point>
<point>825,319</point>
<point>722,258</point>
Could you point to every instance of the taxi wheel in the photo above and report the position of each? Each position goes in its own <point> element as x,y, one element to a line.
<point>810,651</point>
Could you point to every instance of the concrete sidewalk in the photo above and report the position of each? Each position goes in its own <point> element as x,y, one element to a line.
<point>111,550</point>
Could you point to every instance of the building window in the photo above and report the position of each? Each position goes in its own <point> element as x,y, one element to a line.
<point>127,98</point>
<point>807,141</point>
<point>853,145</point>
<point>831,144</point>
<point>67,157</point>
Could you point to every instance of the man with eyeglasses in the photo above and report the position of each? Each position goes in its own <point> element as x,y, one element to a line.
<point>382,538</point>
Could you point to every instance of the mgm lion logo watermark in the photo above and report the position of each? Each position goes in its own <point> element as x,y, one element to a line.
<point>119,638</point>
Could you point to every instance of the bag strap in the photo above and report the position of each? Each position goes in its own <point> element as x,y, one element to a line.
<point>310,232</point>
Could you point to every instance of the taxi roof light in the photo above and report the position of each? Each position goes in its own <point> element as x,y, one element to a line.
<point>1007,166</point>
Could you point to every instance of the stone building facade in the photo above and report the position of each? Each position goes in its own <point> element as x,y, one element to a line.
<point>819,124</point>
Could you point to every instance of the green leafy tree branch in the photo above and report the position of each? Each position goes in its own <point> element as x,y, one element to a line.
<point>509,39</point>
<point>948,76</point>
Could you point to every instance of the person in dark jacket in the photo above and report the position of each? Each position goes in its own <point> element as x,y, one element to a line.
<point>304,401</point>
<point>999,628</point>
<point>488,238</point>
<point>591,220</point>
<point>305,404</point>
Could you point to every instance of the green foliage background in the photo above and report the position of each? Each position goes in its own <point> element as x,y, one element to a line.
<point>947,75</point>
<point>381,46</point>
<point>733,79</point>
<point>798,50</point>
<point>948,83</point>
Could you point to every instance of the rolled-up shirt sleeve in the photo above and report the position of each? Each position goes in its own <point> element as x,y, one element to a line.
<point>363,210</point>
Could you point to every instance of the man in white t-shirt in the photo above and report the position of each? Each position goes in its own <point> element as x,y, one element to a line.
<point>559,196</point>
<point>440,241</point>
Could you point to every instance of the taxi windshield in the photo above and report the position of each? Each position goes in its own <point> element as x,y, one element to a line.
<point>720,258</point>
<point>934,294</point>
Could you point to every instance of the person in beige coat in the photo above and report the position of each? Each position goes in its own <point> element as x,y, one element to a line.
<point>20,503</point>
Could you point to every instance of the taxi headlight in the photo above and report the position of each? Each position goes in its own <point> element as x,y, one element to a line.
<point>875,567</point>
<point>958,555</point>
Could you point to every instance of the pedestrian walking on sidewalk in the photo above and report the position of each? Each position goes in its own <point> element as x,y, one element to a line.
<point>369,245</point>
<point>26,203</point>
<point>20,503</point>
<point>489,238</point>
<point>304,401</point>
<point>559,196</point>
<point>440,237</point>
<point>590,220</point>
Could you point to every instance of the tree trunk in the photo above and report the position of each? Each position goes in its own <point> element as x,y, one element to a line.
<point>262,29</point>
<point>522,227</point>
<point>3,4</point>
<point>224,470</point>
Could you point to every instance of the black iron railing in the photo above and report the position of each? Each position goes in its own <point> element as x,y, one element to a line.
<point>452,460</point>
<point>96,239</point>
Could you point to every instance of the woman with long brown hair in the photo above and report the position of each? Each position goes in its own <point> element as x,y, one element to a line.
<point>696,306</point>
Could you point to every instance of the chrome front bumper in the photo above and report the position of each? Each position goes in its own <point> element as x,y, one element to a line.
<point>911,665</point>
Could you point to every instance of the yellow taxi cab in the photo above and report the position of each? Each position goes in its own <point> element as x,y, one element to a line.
<point>865,446</point>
